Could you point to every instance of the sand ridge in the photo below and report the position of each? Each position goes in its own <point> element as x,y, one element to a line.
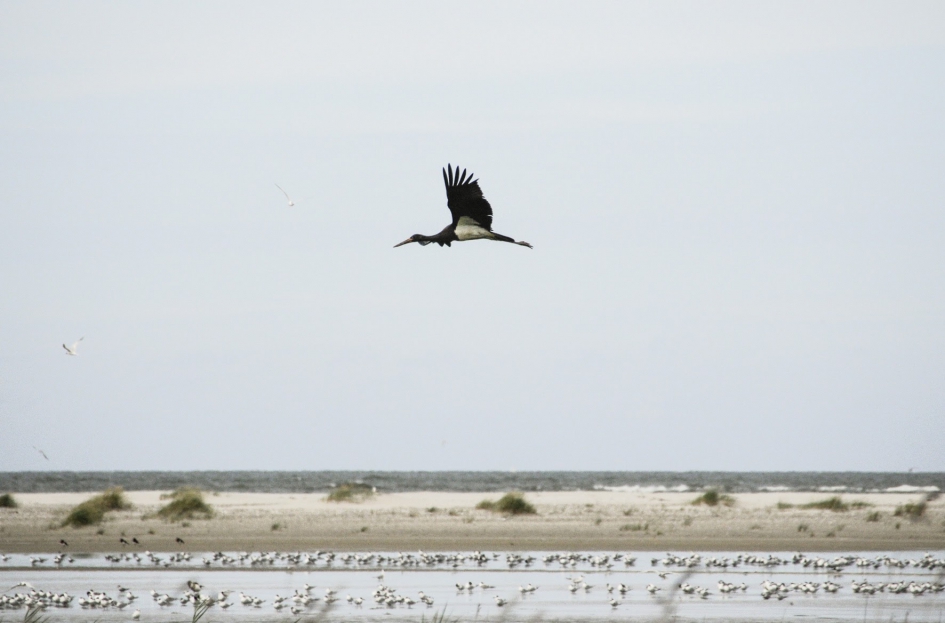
<point>445,521</point>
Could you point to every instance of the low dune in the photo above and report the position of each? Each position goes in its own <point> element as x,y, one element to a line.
<point>437,521</point>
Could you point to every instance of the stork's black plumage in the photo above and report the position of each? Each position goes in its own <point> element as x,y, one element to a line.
<point>472,214</point>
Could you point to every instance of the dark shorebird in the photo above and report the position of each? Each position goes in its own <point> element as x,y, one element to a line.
<point>472,214</point>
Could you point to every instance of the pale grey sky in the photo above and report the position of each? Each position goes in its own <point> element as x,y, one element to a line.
<point>737,211</point>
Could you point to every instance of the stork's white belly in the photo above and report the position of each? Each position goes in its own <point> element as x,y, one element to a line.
<point>468,229</point>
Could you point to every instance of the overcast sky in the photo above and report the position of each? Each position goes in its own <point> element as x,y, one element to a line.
<point>737,209</point>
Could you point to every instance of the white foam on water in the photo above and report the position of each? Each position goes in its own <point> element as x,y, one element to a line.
<point>644,488</point>
<point>911,489</point>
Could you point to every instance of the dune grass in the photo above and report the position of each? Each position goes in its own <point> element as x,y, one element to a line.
<point>510,503</point>
<point>92,511</point>
<point>634,527</point>
<point>714,498</point>
<point>8,501</point>
<point>835,504</point>
<point>350,492</point>
<point>911,510</point>
<point>185,503</point>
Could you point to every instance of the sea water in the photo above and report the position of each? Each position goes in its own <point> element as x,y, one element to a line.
<point>392,482</point>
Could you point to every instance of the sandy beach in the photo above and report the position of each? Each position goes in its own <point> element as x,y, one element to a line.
<point>573,520</point>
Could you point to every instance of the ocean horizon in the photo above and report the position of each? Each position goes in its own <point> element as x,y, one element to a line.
<point>474,481</point>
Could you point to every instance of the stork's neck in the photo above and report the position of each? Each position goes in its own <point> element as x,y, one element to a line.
<point>445,236</point>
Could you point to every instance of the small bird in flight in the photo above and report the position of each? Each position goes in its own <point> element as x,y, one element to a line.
<point>41,452</point>
<point>73,350</point>
<point>291,203</point>
<point>472,214</point>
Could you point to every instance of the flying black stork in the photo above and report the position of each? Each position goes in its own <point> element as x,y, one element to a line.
<point>472,214</point>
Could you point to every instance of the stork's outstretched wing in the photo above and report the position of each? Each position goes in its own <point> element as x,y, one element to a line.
<point>464,198</point>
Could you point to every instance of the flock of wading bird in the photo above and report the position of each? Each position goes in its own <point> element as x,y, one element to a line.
<point>471,212</point>
<point>386,597</point>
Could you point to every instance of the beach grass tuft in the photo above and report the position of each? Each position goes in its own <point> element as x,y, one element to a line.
<point>34,614</point>
<point>783,506</point>
<point>439,617</point>
<point>92,511</point>
<point>200,609</point>
<point>634,527</point>
<point>510,503</point>
<point>835,504</point>
<point>350,492</point>
<point>911,510</point>
<point>8,501</point>
<point>714,498</point>
<point>185,503</point>
<point>873,517</point>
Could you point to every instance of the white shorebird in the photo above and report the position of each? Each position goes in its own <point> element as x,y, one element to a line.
<point>291,203</point>
<point>74,349</point>
<point>41,452</point>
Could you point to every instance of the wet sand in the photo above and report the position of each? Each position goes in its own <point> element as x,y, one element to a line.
<point>436,521</point>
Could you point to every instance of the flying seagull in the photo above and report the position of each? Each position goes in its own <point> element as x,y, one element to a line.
<point>291,203</point>
<point>41,452</point>
<point>73,350</point>
<point>472,214</point>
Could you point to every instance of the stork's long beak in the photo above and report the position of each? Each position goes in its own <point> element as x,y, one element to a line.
<point>408,240</point>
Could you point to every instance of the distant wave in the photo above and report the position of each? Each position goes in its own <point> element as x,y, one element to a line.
<point>456,481</point>
<point>912,489</point>
<point>644,488</point>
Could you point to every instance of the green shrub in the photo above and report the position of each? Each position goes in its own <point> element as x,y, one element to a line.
<point>350,492</point>
<point>784,506</point>
<point>873,517</point>
<point>834,504</point>
<point>510,503</point>
<point>186,503</point>
<point>714,498</point>
<point>911,510</point>
<point>92,511</point>
<point>7,501</point>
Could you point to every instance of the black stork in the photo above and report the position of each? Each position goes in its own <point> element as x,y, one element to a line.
<point>472,214</point>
